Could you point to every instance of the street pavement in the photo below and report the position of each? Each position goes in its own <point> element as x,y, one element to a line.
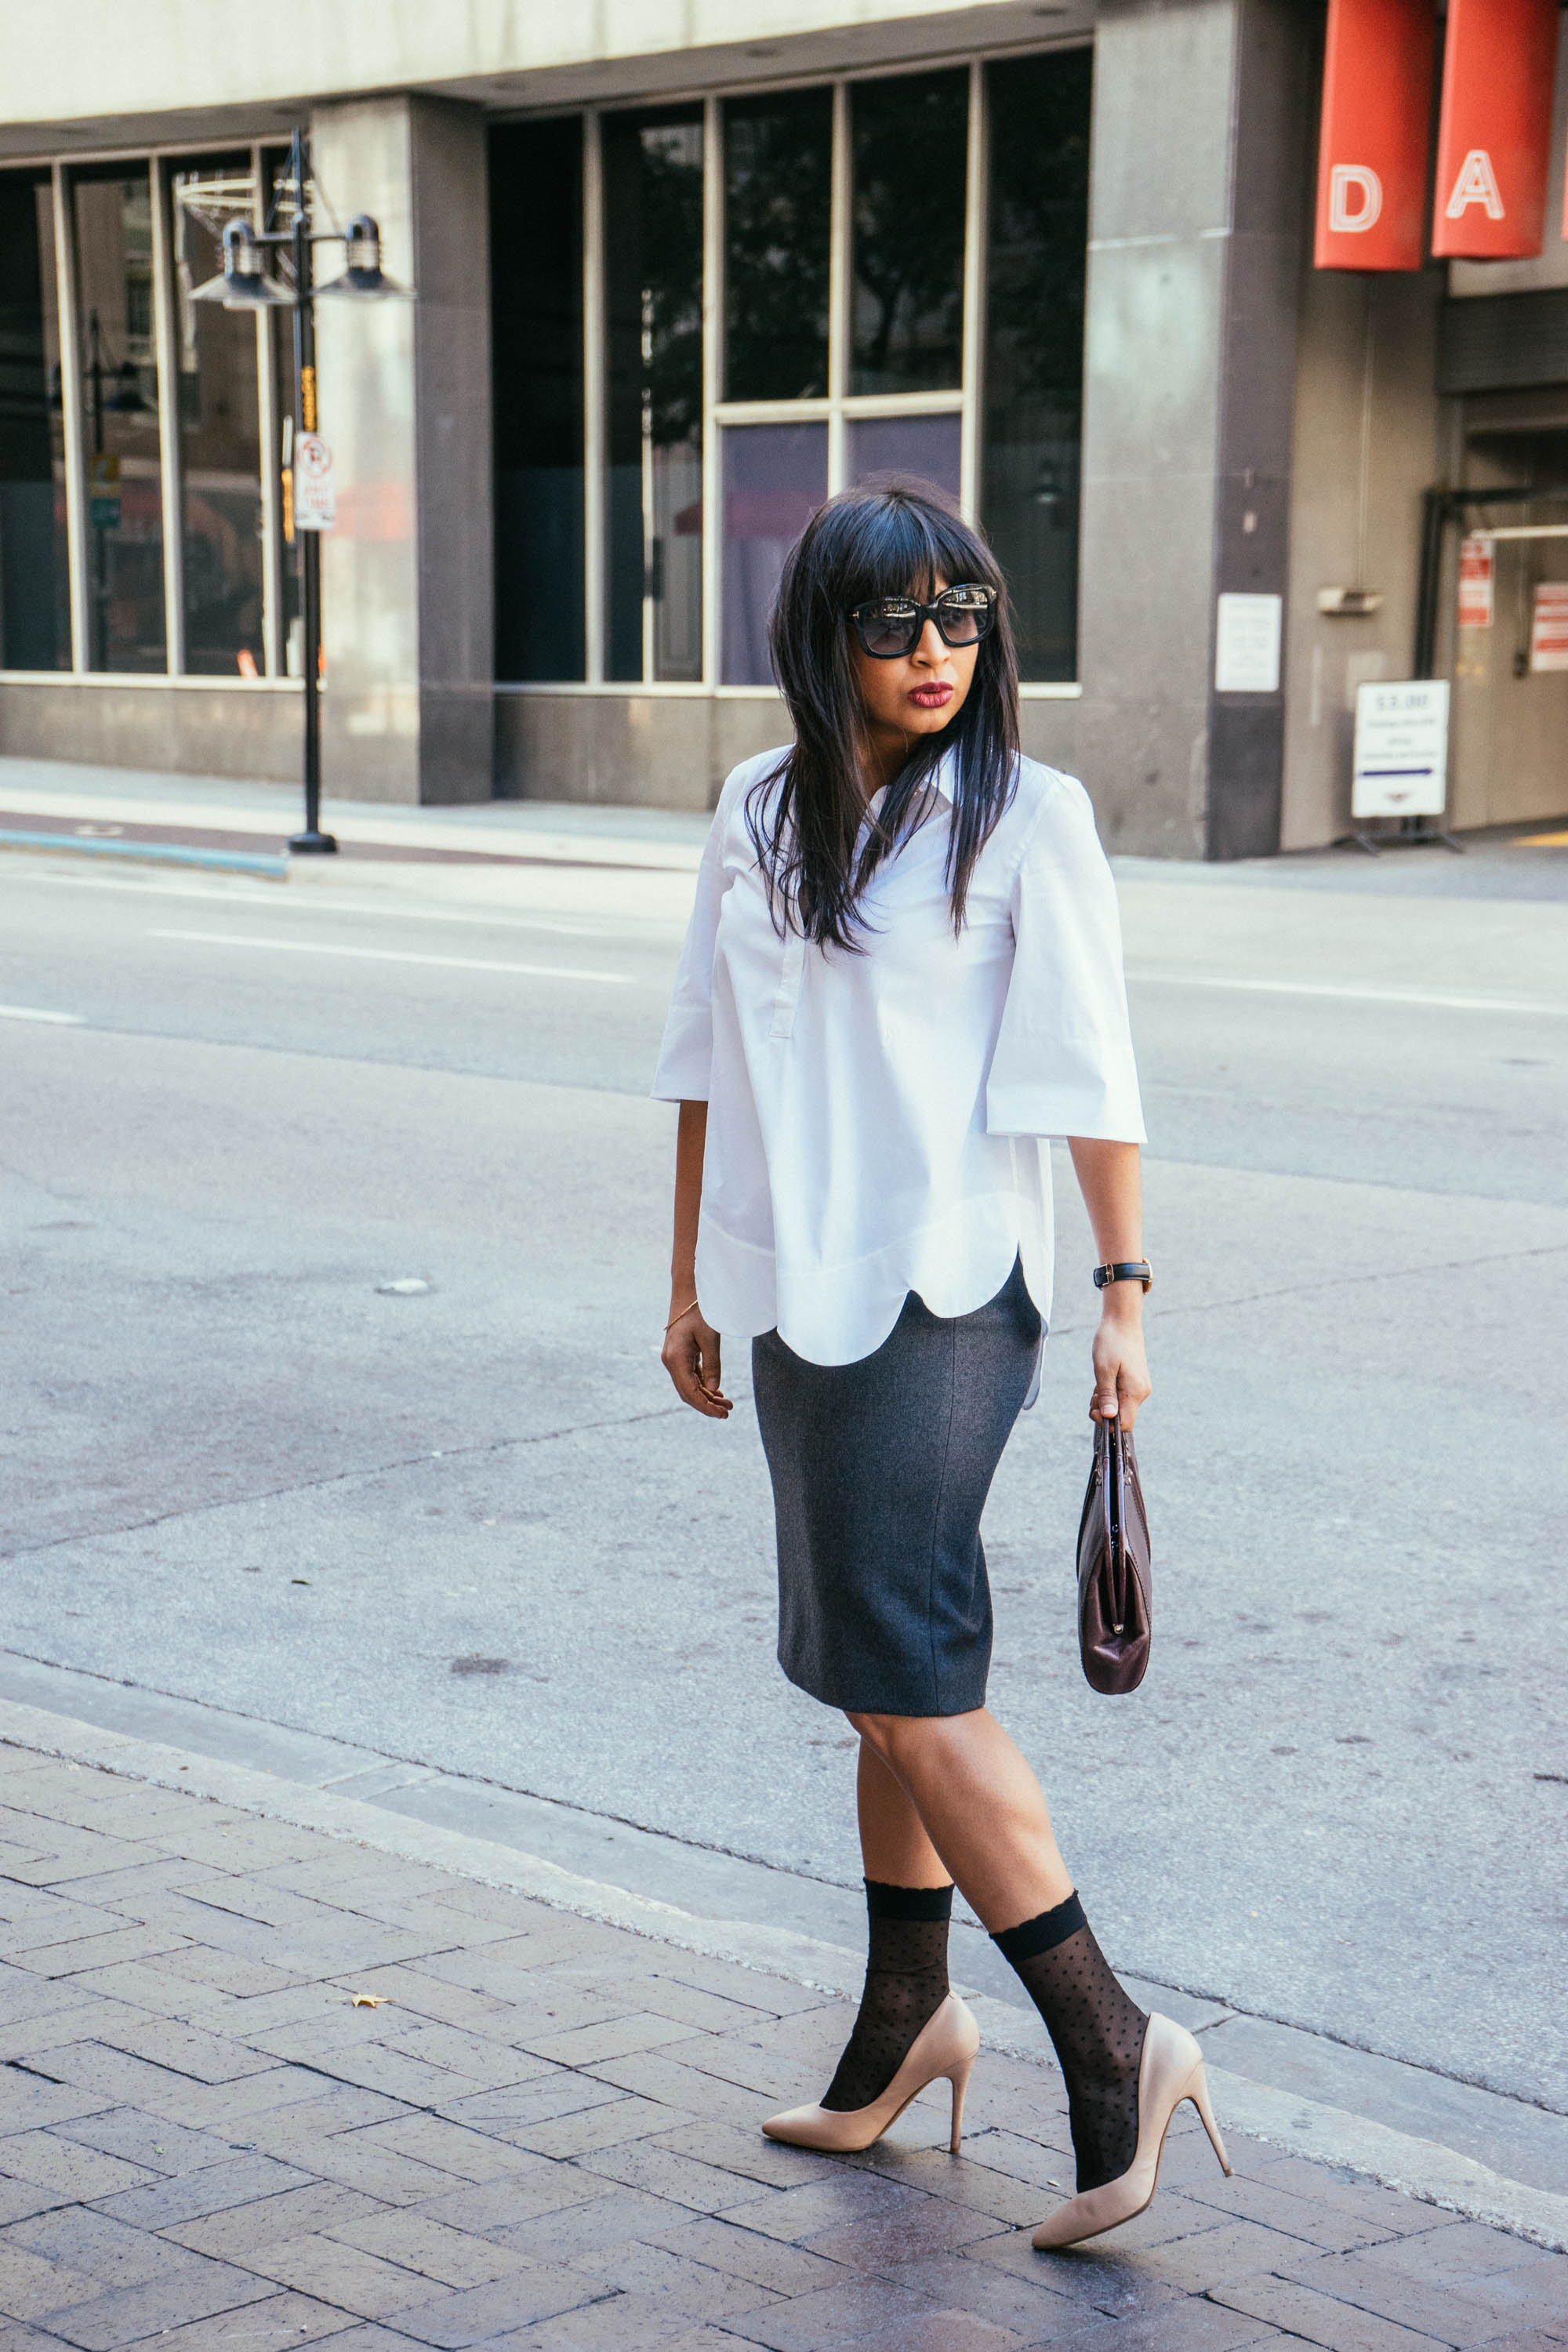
<point>464,1527</point>
<point>266,2087</point>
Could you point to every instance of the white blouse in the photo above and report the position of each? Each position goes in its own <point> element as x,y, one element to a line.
<point>874,1118</point>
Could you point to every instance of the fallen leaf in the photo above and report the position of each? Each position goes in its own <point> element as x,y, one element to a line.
<point>367,2000</point>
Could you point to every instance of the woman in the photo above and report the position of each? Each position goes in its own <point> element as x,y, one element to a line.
<point>903,975</point>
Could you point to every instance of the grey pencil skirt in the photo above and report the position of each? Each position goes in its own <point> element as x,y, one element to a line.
<point>881,1470</point>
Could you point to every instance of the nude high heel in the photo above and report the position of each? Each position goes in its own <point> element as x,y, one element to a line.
<point>1170,2070</point>
<point>945,2045</point>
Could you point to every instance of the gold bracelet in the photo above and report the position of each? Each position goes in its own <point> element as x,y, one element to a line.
<point>680,1318</point>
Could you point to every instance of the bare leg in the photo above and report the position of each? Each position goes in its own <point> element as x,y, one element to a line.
<point>983,1814</point>
<point>893,1844</point>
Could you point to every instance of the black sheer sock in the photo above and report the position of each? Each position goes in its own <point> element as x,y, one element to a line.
<point>906,1984</point>
<point>1098,2030</point>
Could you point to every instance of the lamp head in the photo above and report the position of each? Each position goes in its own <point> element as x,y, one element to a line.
<point>363,274</point>
<point>243,285</point>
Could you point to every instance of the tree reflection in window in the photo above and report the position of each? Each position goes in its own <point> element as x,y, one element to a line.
<point>778,182</point>
<point>653,260</point>
<point>1037,239</point>
<point>910,141</point>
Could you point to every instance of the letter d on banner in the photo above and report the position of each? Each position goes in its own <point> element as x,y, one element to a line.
<point>1372,153</point>
<point>1494,137</point>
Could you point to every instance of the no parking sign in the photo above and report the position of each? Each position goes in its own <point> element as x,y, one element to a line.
<point>315,493</point>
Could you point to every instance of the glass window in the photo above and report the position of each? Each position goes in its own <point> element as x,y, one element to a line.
<point>35,580</point>
<point>910,140</point>
<point>926,446</point>
<point>778,186</point>
<point>113,216</point>
<point>1032,422</point>
<point>776,477</point>
<point>536,297</point>
<point>218,413</point>
<point>653,282</point>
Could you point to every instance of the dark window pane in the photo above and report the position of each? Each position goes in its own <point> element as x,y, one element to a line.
<point>35,585</point>
<point>926,446</point>
<point>653,278</point>
<point>536,327</point>
<point>776,477</point>
<point>1034,347</point>
<point>778,157</point>
<point>220,426</point>
<point>910,138</point>
<point>113,215</point>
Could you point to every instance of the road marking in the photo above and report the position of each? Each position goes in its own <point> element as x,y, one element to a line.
<point>393,955</point>
<point>31,1012</point>
<point>1428,997</point>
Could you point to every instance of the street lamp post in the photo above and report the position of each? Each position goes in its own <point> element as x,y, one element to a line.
<point>245,285</point>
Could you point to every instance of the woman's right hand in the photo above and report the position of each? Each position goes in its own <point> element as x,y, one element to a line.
<point>691,1357</point>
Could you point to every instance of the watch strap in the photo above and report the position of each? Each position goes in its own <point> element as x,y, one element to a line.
<point>1128,1270</point>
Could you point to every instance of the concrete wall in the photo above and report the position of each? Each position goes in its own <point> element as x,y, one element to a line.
<point>669,750</point>
<point>200,730</point>
<point>1193,237</point>
<point>407,572</point>
<point>1369,438</point>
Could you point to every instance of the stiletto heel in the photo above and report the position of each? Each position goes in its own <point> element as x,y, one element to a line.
<point>1170,2070</point>
<point>959,2078</point>
<point>1199,2096</point>
<point>945,2045</point>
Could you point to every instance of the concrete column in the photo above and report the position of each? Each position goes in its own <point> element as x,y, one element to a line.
<point>1195,213</point>
<point>407,582</point>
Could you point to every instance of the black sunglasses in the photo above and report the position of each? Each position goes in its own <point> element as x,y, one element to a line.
<point>890,626</point>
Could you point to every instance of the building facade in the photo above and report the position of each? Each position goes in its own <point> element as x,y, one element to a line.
<point>682,270</point>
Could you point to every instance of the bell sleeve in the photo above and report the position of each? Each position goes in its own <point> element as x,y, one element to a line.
<point>686,1054</point>
<point>1063,1063</point>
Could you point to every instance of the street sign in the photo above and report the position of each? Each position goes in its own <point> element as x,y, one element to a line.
<point>1401,749</point>
<point>1549,625</point>
<point>1476,564</point>
<point>315,493</point>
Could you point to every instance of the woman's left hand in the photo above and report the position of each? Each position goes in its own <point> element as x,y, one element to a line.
<point>1120,1367</point>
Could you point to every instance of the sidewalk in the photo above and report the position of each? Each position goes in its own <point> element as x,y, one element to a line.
<point>264,2086</point>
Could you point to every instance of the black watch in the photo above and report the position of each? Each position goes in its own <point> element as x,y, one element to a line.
<point>1131,1270</point>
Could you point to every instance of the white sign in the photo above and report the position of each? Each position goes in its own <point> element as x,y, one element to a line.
<point>1246,644</point>
<point>1476,566</point>
<point>1401,749</point>
<point>315,493</point>
<point>1549,625</point>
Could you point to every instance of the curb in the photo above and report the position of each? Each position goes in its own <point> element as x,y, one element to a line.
<point>159,852</point>
<point>1419,2169</point>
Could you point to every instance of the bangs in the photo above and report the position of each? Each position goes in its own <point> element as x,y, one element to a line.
<point>897,540</point>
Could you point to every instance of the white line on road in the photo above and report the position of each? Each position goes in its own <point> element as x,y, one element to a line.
<point>241,891</point>
<point>31,1012</point>
<point>1442,1004</point>
<point>393,955</point>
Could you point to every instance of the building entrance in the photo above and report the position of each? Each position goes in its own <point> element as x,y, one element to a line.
<point>1508,604</point>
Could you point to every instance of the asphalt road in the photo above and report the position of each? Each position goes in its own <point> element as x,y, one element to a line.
<point>469,1524</point>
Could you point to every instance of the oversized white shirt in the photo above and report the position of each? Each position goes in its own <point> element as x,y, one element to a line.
<point>877,1120</point>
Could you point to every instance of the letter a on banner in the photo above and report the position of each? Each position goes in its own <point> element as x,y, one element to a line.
<point>1372,153</point>
<point>1494,136</point>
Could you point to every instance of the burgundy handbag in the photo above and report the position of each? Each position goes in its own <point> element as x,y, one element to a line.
<point>1114,1564</point>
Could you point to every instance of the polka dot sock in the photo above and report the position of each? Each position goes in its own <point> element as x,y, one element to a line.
<point>906,1984</point>
<point>1097,2030</point>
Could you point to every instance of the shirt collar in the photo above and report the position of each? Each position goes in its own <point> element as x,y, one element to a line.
<point>943,783</point>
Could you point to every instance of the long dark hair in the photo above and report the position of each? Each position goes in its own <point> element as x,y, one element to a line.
<point>807,816</point>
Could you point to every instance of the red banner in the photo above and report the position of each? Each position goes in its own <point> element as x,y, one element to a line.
<point>1494,137</point>
<point>1371,152</point>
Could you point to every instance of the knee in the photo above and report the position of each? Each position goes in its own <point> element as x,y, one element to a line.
<point>892,1736</point>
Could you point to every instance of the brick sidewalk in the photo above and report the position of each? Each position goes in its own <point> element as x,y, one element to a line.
<point>544,2135</point>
